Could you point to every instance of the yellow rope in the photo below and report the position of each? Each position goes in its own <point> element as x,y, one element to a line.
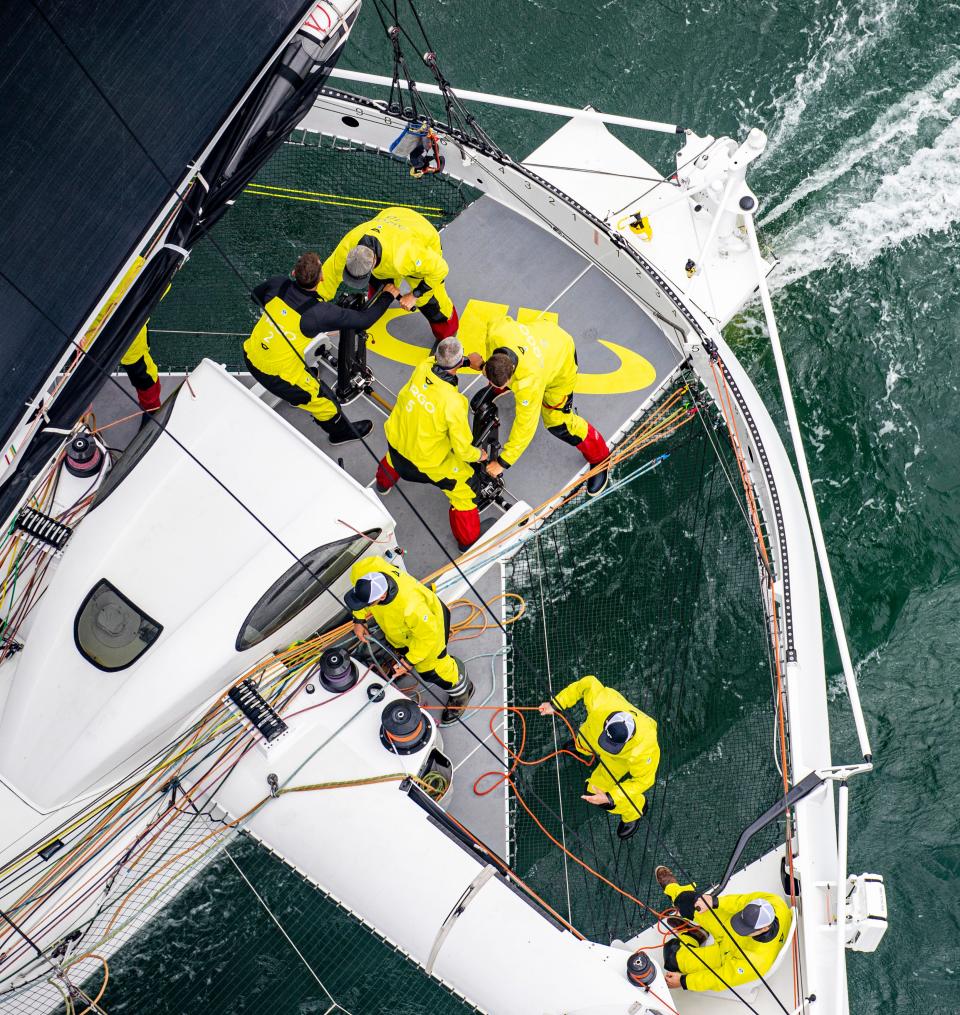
<point>430,786</point>
<point>344,197</point>
<point>320,200</point>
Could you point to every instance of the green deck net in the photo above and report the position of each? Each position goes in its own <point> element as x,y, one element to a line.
<point>307,197</point>
<point>215,949</point>
<point>656,591</point>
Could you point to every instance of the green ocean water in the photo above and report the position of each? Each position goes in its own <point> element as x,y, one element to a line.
<point>860,199</point>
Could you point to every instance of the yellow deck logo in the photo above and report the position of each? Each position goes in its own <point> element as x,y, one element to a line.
<point>634,372</point>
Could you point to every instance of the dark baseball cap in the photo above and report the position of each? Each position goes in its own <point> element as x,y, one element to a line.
<point>753,917</point>
<point>618,728</point>
<point>367,590</point>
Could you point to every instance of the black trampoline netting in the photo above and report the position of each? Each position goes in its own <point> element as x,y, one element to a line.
<point>246,963</point>
<point>657,593</point>
<point>246,935</point>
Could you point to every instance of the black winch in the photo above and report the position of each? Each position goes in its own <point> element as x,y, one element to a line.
<point>641,971</point>
<point>404,727</point>
<point>338,672</point>
<point>83,458</point>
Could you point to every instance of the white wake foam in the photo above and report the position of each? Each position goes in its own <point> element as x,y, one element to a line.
<point>894,131</point>
<point>882,189</point>
<point>836,49</point>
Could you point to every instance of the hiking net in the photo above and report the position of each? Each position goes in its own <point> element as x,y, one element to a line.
<point>313,191</point>
<point>222,926</point>
<point>658,595</point>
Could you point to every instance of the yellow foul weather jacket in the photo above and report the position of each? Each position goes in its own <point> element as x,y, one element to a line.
<point>409,249</point>
<point>544,378</point>
<point>625,776</point>
<point>412,621</point>
<point>723,960</point>
<point>429,420</point>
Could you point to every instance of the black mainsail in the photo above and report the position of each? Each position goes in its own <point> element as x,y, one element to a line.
<point>127,125</point>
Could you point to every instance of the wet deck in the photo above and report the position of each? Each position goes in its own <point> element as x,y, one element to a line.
<point>499,262</point>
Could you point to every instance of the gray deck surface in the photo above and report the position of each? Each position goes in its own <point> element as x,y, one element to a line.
<point>497,256</point>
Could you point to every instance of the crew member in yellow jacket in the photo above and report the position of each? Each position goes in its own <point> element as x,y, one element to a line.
<point>538,363</point>
<point>429,439</point>
<point>416,623</point>
<point>624,740</point>
<point>397,244</point>
<point>748,933</point>
<point>136,361</point>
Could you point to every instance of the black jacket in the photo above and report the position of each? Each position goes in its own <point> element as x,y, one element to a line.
<point>316,315</point>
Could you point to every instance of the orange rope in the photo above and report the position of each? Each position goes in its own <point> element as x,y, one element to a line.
<point>507,777</point>
<point>117,422</point>
<point>94,1004</point>
<point>663,421</point>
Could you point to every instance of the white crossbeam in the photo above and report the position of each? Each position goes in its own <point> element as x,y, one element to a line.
<point>505,100</point>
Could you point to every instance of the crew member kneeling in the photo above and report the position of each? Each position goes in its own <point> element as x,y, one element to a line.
<point>416,623</point>
<point>623,738</point>
<point>429,438</point>
<point>757,922</point>
<point>538,362</point>
<point>276,359</point>
<point>398,244</point>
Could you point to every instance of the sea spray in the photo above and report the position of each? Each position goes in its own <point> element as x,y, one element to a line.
<point>835,50</point>
<point>867,216</point>
<point>895,130</point>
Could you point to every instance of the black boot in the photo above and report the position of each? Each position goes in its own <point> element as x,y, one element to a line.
<point>458,698</point>
<point>597,483</point>
<point>627,828</point>
<point>570,745</point>
<point>341,430</point>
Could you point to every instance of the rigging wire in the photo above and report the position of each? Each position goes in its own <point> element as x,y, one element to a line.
<point>283,931</point>
<point>518,759</point>
<point>553,724</point>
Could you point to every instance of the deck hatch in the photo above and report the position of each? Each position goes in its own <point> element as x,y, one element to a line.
<point>110,631</point>
<point>299,586</point>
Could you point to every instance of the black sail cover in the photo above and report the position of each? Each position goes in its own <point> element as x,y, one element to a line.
<point>103,107</point>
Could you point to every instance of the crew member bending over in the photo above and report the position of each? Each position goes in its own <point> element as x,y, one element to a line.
<point>416,623</point>
<point>276,359</point>
<point>538,362</point>
<point>748,932</point>
<point>624,740</point>
<point>429,438</point>
<point>398,244</point>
